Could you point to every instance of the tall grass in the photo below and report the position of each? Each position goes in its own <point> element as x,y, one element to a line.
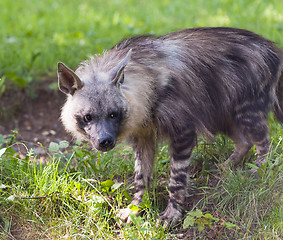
<point>75,194</point>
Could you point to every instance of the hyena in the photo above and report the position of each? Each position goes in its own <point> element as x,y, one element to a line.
<point>176,87</point>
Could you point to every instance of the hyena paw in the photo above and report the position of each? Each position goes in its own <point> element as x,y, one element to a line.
<point>170,216</point>
<point>124,215</point>
<point>224,166</point>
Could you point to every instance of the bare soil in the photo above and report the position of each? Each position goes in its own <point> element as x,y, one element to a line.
<point>37,119</point>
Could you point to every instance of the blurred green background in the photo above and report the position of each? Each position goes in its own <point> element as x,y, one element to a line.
<point>35,35</point>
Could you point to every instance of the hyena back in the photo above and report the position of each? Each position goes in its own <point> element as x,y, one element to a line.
<point>177,86</point>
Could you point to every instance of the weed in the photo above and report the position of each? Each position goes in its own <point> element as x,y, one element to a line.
<point>206,220</point>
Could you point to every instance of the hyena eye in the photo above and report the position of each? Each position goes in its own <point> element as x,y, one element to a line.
<point>113,115</point>
<point>87,118</point>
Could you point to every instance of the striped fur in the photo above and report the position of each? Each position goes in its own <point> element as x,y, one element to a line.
<point>177,86</point>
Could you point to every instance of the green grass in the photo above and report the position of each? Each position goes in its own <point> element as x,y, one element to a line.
<point>75,193</point>
<point>35,35</point>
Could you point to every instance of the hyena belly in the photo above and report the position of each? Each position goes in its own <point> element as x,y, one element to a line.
<point>177,86</point>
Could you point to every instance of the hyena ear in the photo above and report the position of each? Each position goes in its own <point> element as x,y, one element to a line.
<point>68,81</point>
<point>117,73</point>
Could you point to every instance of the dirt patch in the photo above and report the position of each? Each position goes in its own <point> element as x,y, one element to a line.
<point>14,227</point>
<point>35,118</point>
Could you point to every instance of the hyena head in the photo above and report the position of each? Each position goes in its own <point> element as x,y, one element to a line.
<point>96,109</point>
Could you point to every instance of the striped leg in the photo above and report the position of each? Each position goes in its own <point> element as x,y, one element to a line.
<point>261,139</point>
<point>252,121</point>
<point>144,157</point>
<point>181,149</point>
<point>241,148</point>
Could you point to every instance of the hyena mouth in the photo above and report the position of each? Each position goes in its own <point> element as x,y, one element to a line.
<point>106,149</point>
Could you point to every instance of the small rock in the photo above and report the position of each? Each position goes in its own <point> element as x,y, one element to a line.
<point>52,132</point>
<point>38,151</point>
<point>211,234</point>
<point>45,133</point>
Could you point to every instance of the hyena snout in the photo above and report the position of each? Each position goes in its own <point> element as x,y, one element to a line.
<point>102,135</point>
<point>106,143</point>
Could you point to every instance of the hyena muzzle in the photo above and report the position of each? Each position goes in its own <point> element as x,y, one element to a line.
<point>177,86</point>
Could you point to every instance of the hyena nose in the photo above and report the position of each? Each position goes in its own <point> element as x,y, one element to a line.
<point>106,142</point>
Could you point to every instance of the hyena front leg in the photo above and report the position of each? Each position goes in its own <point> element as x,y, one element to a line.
<point>181,149</point>
<point>144,157</point>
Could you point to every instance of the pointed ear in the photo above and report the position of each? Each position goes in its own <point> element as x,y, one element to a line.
<point>68,81</point>
<point>118,72</point>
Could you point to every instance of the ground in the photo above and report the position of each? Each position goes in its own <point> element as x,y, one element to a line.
<point>36,118</point>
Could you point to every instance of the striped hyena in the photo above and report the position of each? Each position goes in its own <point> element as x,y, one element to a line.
<point>176,86</point>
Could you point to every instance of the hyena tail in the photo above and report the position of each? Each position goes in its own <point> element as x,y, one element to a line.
<point>278,110</point>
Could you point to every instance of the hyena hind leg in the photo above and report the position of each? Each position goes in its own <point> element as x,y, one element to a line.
<point>241,148</point>
<point>263,147</point>
<point>254,127</point>
<point>259,136</point>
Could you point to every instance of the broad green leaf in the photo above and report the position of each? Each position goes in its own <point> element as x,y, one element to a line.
<point>107,183</point>
<point>197,213</point>
<point>207,222</point>
<point>200,225</point>
<point>63,144</point>
<point>188,222</point>
<point>209,216</point>
<point>53,147</point>
<point>134,208</point>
